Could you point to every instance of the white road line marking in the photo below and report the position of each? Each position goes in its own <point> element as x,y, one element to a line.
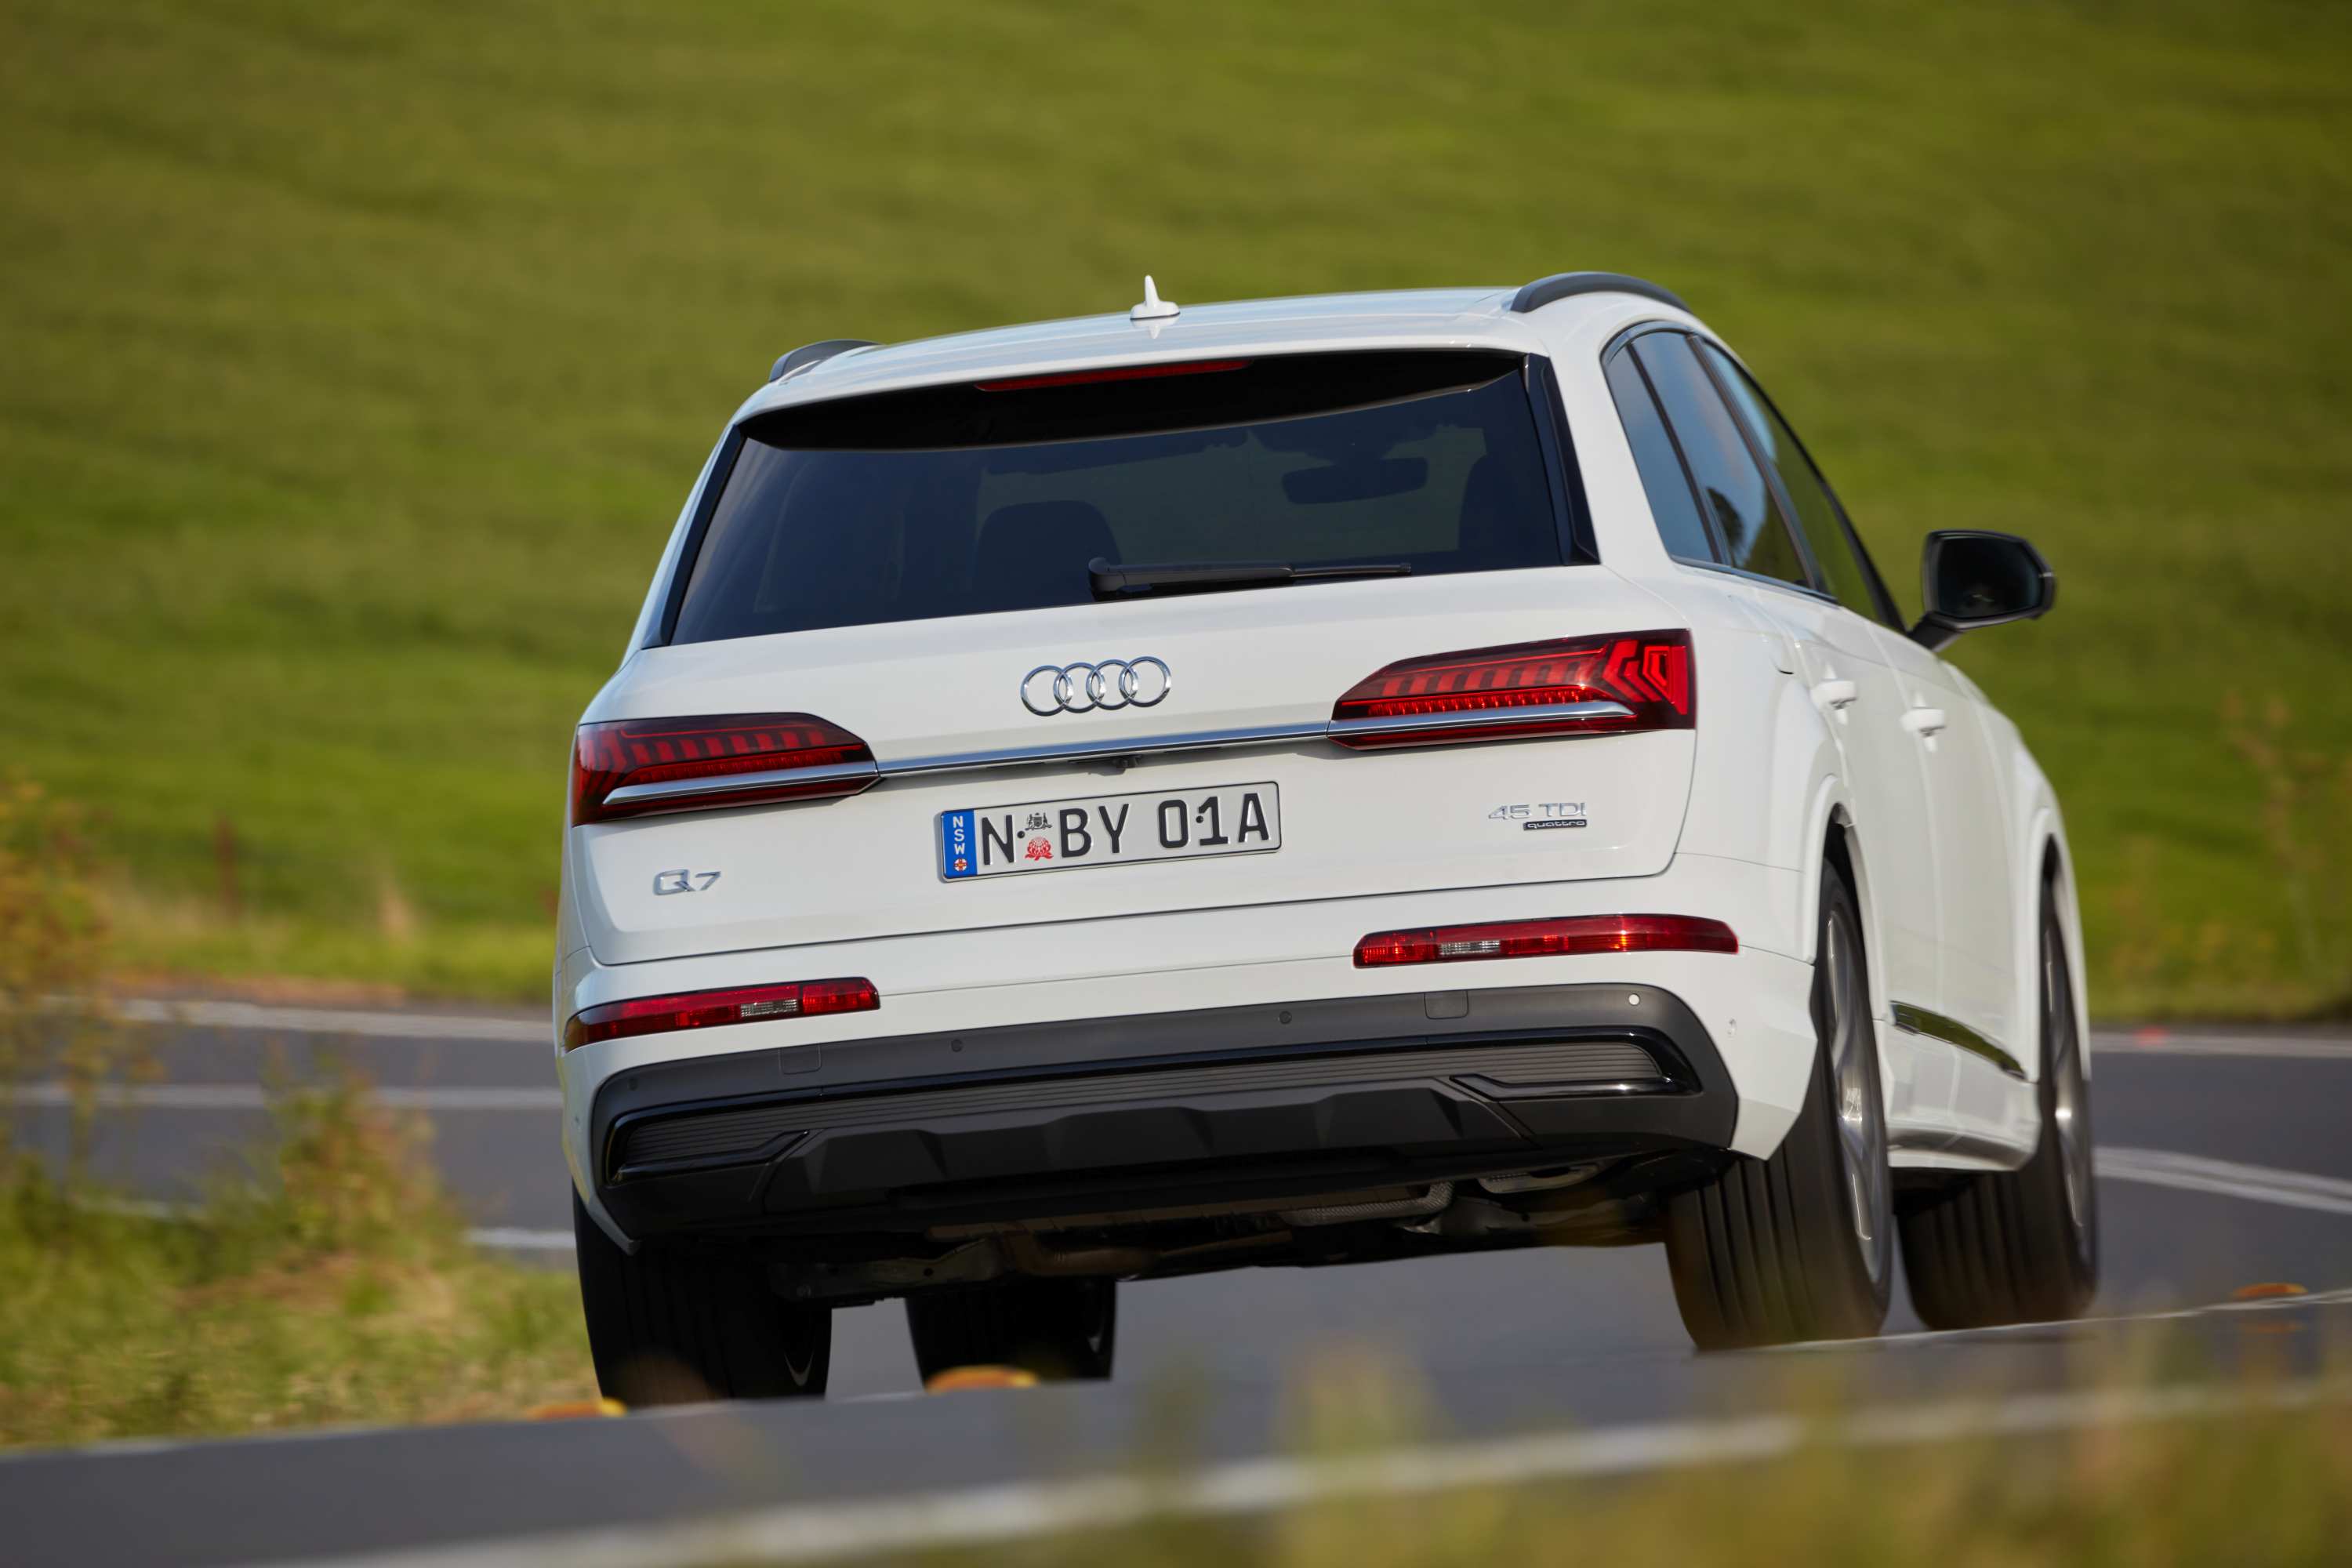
<point>2110,1044</point>
<point>501,1237</point>
<point>252,1096</point>
<point>1927,1336</point>
<point>393,1025</point>
<point>2192,1173</point>
<point>1021,1510</point>
<point>514,1238</point>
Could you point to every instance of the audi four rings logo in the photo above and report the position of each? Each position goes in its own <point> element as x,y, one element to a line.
<point>1115,683</point>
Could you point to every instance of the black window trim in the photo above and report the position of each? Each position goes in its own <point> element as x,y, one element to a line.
<point>1706,524</point>
<point>706,506</point>
<point>1571,509</point>
<point>1812,585</point>
<point>1815,578</point>
<point>1883,602</point>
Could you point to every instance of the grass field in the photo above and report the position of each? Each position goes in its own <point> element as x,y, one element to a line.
<point>357,357</point>
<point>328,1281</point>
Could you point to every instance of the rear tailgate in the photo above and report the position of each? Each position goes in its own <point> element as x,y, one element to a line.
<point>1349,823</point>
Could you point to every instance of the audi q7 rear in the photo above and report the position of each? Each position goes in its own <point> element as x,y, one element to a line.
<point>1131,797</point>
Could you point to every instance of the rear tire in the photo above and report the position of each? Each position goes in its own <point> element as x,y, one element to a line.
<point>1055,1329</point>
<point>1801,1245</point>
<point>2022,1246</point>
<point>673,1327</point>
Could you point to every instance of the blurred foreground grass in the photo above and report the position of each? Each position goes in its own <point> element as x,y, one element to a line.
<point>337,1289</point>
<point>2260,1488</point>
<point>329,1281</point>
<point>358,358</point>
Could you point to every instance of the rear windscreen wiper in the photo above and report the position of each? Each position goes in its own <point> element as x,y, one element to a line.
<point>1117,582</point>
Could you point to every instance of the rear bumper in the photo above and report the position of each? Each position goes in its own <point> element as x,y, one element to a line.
<point>1114,1114</point>
<point>1071,983</point>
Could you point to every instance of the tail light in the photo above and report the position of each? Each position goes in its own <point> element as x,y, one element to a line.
<point>1547,938</point>
<point>1116,372</point>
<point>1576,686</point>
<point>641,765</point>
<point>708,1009</point>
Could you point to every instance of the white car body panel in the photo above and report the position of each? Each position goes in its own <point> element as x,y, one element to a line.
<point>1729,820</point>
<point>868,866</point>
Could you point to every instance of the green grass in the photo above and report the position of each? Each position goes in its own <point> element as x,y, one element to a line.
<point>358,357</point>
<point>331,1284</point>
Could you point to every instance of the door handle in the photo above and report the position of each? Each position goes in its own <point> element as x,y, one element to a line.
<point>1924,722</point>
<point>1836,694</point>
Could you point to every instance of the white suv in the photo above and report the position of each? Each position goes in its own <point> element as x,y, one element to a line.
<point>1521,817</point>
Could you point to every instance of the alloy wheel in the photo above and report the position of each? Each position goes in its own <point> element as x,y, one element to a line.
<point>1861,1118</point>
<point>2070,1094</point>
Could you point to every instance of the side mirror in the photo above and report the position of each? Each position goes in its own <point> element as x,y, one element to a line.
<point>1970,579</point>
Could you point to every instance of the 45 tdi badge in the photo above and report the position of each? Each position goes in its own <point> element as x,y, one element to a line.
<point>1536,814</point>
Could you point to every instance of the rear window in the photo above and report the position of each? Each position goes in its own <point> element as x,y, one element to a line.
<point>968,500</point>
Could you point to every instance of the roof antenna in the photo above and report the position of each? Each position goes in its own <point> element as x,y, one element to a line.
<point>1154,307</point>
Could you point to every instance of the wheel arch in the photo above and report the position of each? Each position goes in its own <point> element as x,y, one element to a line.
<point>2048,865</point>
<point>2043,861</point>
<point>1832,840</point>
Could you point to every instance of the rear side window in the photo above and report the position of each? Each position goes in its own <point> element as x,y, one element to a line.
<point>1809,494</point>
<point>976,498</point>
<point>1730,487</point>
<point>1663,478</point>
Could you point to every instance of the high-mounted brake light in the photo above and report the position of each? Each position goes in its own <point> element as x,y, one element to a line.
<point>1575,686</point>
<point>1559,938</point>
<point>1116,372</point>
<point>708,1009</point>
<point>636,766</point>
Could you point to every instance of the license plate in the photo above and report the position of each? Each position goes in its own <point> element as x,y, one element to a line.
<point>1109,830</point>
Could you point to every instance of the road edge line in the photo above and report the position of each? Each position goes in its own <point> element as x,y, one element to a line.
<point>1019,1511</point>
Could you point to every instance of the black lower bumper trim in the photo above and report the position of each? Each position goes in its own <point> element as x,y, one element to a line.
<point>898,1134</point>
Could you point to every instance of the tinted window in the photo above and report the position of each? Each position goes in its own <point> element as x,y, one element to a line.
<point>970,500</point>
<point>1663,478</point>
<point>1730,486</point>
<point>1816,513</point>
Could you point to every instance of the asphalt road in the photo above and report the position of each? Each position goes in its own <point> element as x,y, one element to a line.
<point>2224,1162</point>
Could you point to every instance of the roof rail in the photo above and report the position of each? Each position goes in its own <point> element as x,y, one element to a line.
<point>1560,285</point>
<point>808,354</point>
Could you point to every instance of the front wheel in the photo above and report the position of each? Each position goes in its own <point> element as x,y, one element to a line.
<point>1801,1245</point>
<point>2022,1246</point>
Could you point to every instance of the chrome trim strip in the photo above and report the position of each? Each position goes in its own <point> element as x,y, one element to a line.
<point>1438,723</point>
<point>1113,746</point>
<point>1505,1091</point>
<point>633,794</point>
<point>1108,746</point>
<point>1259,735</point>
<point>1930,1026</point>
<point>1961,1144</point>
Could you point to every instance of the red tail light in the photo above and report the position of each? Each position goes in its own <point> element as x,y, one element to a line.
<point>708,1009</point>
<point>1116,372</point>
<point>1576,686</point>
<point>1547,938</point>
<point>641,765</point>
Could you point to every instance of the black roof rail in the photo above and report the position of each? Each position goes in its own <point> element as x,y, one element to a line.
<point>1560,285</point>
<point>808,354</point>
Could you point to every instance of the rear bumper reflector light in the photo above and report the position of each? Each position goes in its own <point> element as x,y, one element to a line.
<point>1560,938</point>
<point>1632,680</point>
<point>638,766</point>
<point>709,1009</point>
